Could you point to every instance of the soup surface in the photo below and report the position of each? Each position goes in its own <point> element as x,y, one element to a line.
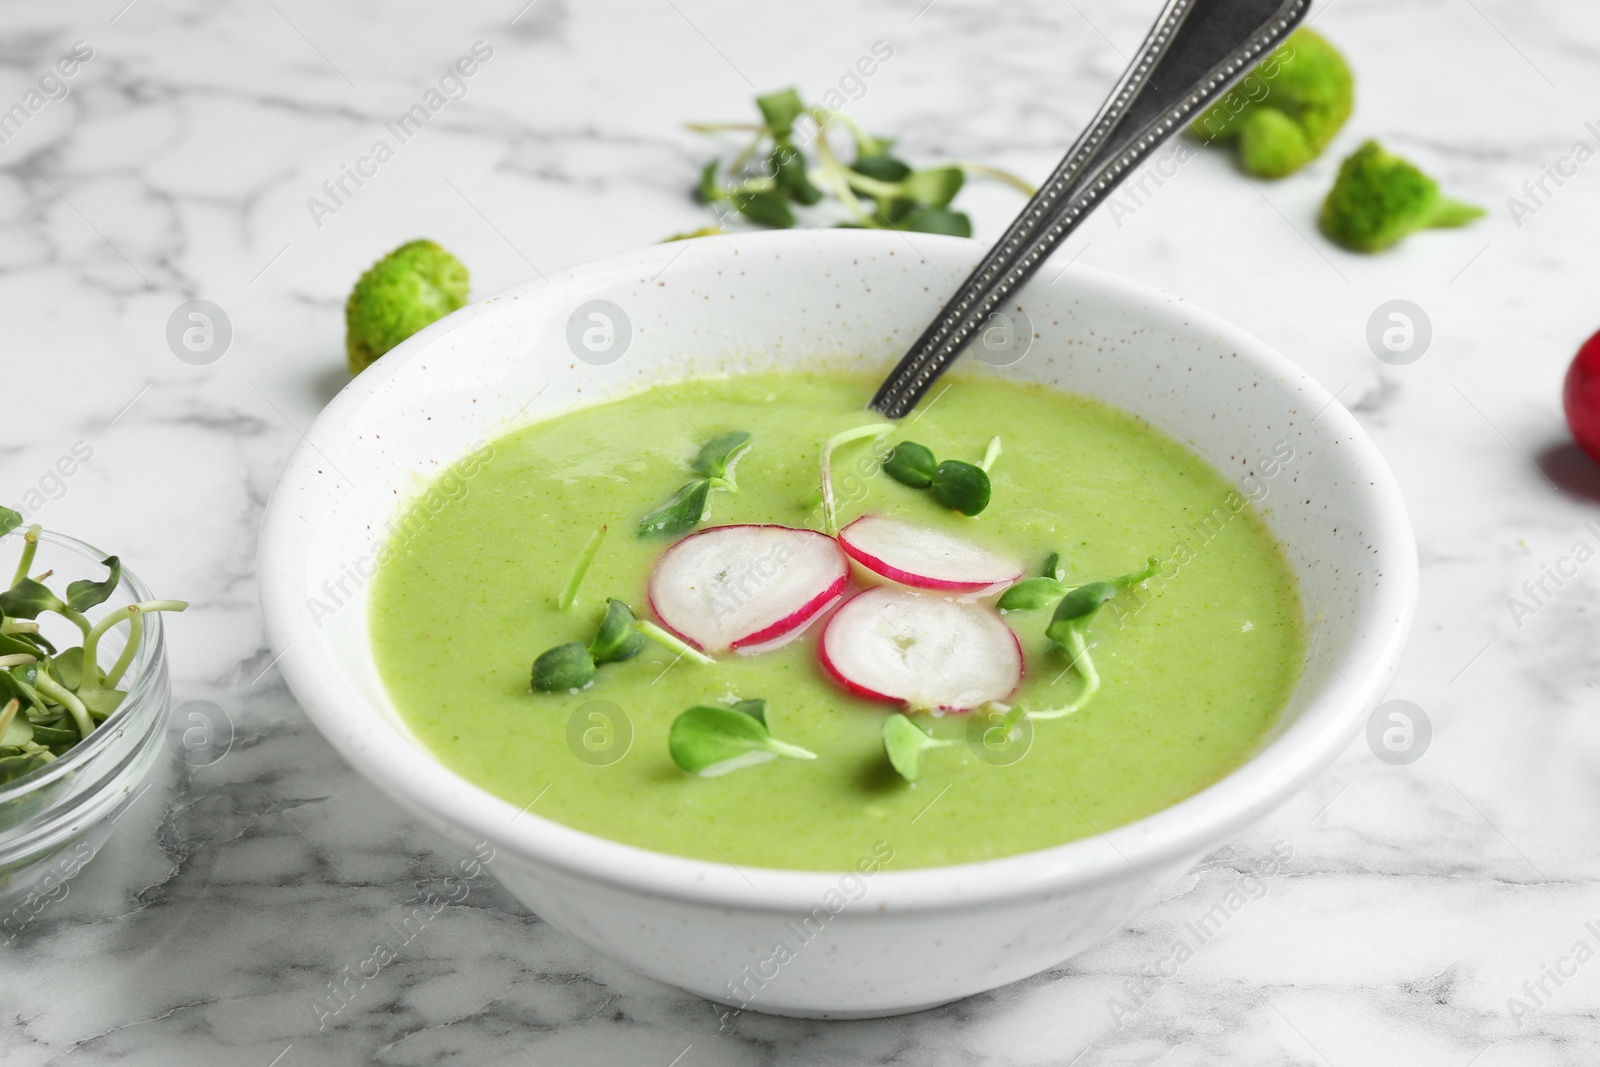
<point>1196,665</point>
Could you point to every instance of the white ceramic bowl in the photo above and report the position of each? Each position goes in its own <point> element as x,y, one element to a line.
<point>918,937</point>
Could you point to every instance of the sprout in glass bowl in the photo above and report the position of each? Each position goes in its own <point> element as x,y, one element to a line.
<point>83,705</point>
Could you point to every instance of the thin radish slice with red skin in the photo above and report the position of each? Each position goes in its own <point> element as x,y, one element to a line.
<point>922,651</point>
<point>731,586</point>
<point>754,648</point>
<point>925,558</point>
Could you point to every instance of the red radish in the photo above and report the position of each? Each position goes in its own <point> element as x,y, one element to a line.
<point>928,559</point>
<point>732,586</point>
<point>1581,397</point>
<point>752,647</point>
<point>924,651</point>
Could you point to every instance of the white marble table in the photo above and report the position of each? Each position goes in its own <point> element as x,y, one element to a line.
<point>1417,900</point>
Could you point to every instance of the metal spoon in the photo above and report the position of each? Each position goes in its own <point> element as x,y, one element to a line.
<point>1194,53</point>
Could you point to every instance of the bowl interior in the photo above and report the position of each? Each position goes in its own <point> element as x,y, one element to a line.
<point>803,300</point>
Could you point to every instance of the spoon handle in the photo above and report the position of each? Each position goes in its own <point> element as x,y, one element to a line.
<point>1194,53</point>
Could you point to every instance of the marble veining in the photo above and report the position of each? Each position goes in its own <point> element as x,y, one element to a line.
<point>271,909</point>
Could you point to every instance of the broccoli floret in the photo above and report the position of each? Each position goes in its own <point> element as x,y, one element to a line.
<point>1308,93</point>
<point>416,284</point>
<point>1379,198</point>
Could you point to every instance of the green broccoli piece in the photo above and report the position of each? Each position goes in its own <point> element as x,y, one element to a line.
<point>1302,95</point>
<point>1378,198</point>
<point>416,284</point>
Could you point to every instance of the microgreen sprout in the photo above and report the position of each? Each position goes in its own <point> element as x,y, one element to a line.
<point>830,514</point>
<point>713,741</point>
<point>55,699</point>
<point>682,512</point>
<point>990,454</point>
<point>718,456</point>
<point>911,464</point>
<point>905,742</point>
<point>569,593</point>
<point>691,504</point>
<point>1069,626</point>
<point>30,544</point>
<point>617,639</point>
<point>1033,593</point>
<point>574,664</point>
<point>671,642</point>
<point>961,486</point>
<point>771,175</point>
<point>958,485</point>
<point>564,668</point>
<point>28,597</point>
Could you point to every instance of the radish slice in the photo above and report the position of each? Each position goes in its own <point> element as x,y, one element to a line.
<point>924,651</point>
<point>732,586</point>
<point>927,559</point>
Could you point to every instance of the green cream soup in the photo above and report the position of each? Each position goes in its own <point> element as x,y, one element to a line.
<point>1196,665</point>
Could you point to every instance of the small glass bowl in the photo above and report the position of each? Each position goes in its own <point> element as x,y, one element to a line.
<point>56,819</point>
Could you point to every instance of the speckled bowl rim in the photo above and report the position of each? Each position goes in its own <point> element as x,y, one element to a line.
<point>1184,831</point>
